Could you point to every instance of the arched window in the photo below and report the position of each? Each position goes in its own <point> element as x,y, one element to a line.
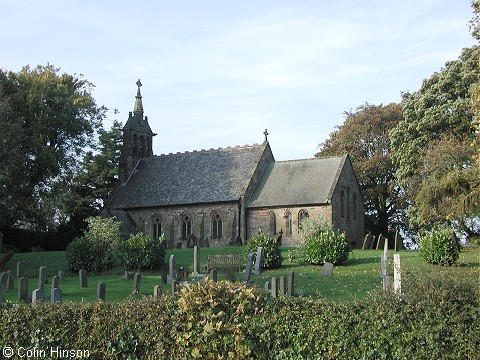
<point>302,214</point>
<point>186,226</point>
<point>354,206</point>
<point>156,227</point>
<point>342,203</point>
<point>288,223</point>
<point>273,223</point>
<point>217,226</point>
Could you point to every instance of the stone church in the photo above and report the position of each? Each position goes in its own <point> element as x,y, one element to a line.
<point>225,195</point>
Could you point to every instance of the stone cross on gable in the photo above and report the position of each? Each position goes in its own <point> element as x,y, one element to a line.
<point>139,83</point>
<point>266,134</point>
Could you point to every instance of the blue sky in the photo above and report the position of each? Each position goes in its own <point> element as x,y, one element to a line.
<point>218,73</point>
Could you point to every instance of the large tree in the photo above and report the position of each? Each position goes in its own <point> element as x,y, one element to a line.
<point>364,136</point>
<point>431,145</point>
<point>47,119</point>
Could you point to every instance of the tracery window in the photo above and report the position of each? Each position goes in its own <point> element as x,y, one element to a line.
<point>156,227</point>
<point>273,223</point>
<point>289,223</point>
<point>217,225</point>
<point>186,226</point>
<point>302,214</point>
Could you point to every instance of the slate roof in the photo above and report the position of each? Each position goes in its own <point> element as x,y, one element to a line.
<point>205,176</point>
<point>297,182</point>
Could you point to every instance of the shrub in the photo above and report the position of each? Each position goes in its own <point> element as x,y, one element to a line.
<point>439,246</point>
<point>326,246</point>
<point>141,252</point>
<point>271,255</point>
<point>312,225</point>
<point>96,250</point>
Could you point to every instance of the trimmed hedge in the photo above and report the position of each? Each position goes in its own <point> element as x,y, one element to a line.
<point>438,317</point>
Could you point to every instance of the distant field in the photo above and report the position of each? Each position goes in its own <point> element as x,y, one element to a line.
<point>353,279</point>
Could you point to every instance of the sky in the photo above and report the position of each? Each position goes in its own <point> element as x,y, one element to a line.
<point>218,73</point>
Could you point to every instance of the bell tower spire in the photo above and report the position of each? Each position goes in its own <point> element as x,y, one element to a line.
<point>137,138</point>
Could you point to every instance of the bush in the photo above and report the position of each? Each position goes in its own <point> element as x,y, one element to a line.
<point>326,246</point>
<point>141,252</point>
<point>439,246</point>
<point>96,251</point>
<point>271,255</point>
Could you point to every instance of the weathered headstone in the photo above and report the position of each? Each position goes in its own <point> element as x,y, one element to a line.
<point>55,282</point>
<point>157,291</point>
<point>366,242</point>
<point>174,284</point>
<point>2,293</point>
<point>372,242</point>
<point>83,278</point>
<point>196,260</point>
<point>4,279</point>
<point>257,270</point>
<point>291,285</point>
<point>38,295</point>
<point>19,269</point>
<point>164,275</point>
<point>273,286</point>
<point>42,276</point>
<point>61,275</point>
<point>327,269</point>
<point>171,267</point>
<point>380,242</point>
<point>213,275</point>
<point>397,274</point>
<point>55,296</point>
<point>23,289</point>
<point>248,268</point>
<point>128,274</point>
<point>101,291</point>
<point>9,280</point>
<point>386,283</point>
<point>267,285</point>
<point>137,278</point>
<point>282,286</point>
<point>398,241</point>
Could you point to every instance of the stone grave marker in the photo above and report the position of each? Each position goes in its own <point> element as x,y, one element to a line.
<point>196,260</point>
<point>380,242</point>
<point>397,274</point>
<point>19,269</point>
<point>174,284</point>
<point>23,289</point>
<point>42,276</point>
<point>4,279</point>
<point>248,268</point>
<point>2,293</point>
<point>213,275</point>
<point>137,278</point>
<point>398,241</point>
<point>55,282</point>
<point>38,295</point>
<point>257,270</point>
<point>383,267</point>
<point>171,267</point>
<point>157,291</point>
<point>386,283</point>
<point>164,275</point>
<point>101,291</point>
<point>61,274</point>
<point>267,285</point>
<point>366,242</point>
<point>290,282</point>
<point>83,277</point>
<point>372,242</point>
<point>9,280</point>
<point>55,296</point>
<point>327,269</point>
<point>282,286</point>
<point>273,286</point>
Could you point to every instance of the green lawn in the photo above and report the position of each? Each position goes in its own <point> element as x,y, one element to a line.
<point>353,279</point>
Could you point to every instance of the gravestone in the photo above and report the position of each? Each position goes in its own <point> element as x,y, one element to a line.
<point>61,274</point>
<point>38,295</point>
<point>9,280</point>
<point>398,241</point>
<point>267,285</point>
<point>291,285</point>
<point>386,283</point>
<point>248,268</point>
<point>282,286</point>
<point>213,275</point>
<point>4,279</point>
<point>1,241</point>
<point>171,267</point>
<point>327,269</point>
<point>257,270</point>
<point>273,286</point>
<point>19,269</point>
<point>164,275</point>
<point>397,274</point>
<point>83,278</point>
<point>128,274</point>
<point>372,242</point>
<point>196,260</point>
<point>157,291</point>
<point>137,278</point>
<point>2,293</point>
<point>23,289</point>
<point>42,276</point>
<point>383,267</point>
<point>101,291</point>
<point>174,284</point>
<point>381,241</point>
<point>55,282</point>
<point>55,296</point>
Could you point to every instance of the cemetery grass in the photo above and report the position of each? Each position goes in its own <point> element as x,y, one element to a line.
<point>354,279</point>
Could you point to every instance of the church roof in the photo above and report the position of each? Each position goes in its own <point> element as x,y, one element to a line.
<point>215,175</point>
<point>297,182</point>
